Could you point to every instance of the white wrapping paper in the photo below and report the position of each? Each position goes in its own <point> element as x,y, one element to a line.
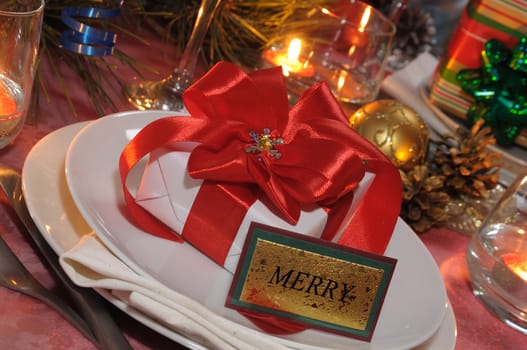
<point>167,192</point>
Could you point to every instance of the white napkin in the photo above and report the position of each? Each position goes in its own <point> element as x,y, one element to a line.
<point>90,264</point>
<point>405,85</point>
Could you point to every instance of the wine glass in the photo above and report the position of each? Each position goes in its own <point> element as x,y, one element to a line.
<point>166,94</point>
<point>20,30</point>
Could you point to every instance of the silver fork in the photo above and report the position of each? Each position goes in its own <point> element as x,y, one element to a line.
<point>15,276</point>
<point>107,333</point>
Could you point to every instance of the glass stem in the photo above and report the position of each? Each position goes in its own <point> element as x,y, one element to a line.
<point>184,73</point>
<point>397,9</point>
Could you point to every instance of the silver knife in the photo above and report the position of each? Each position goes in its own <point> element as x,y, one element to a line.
<point>89,303</point>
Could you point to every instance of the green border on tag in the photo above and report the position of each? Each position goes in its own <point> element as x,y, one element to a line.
<point>258,233</point>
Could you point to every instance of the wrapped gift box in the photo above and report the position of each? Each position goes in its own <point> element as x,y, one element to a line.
<point>210,175</point>
<point>482,20</point>
<point>171,202</point>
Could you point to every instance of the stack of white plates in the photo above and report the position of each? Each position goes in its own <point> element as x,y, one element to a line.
<point>72,187</point>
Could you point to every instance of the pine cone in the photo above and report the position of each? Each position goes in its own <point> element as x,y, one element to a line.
<point>469,168</point>
<point>416,33</point>
<point>424,200</point>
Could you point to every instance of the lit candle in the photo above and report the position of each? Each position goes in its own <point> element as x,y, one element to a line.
<point>290,61</point>
<point>517,264</point>
<point>7,102</point>
<point>511,275</point>
<point>353,36</point>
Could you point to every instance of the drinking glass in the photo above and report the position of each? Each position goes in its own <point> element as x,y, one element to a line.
<point>345,44</point>
<point>167,94</point>
<point>497,257</point>
<point>20,28</point>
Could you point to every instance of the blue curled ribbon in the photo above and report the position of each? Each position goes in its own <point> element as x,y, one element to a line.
<point>84,39</point>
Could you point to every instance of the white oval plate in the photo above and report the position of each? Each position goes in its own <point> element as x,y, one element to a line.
<point>413,309</point>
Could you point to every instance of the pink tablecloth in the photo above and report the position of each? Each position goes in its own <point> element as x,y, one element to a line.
<point>29,324</point>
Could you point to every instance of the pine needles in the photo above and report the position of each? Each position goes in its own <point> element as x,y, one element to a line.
<point>237,34</point>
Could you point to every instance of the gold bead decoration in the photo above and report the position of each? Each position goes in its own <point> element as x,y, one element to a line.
<point>396,129</point>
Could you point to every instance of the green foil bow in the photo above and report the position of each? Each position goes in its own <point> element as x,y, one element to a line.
<point>499,88</point>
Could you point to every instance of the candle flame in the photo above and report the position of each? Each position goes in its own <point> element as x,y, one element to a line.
<point>365,19</point>
<point>293,52</point>
<point>292,62</point>
<point>517,264</point>
<point>341,80</point>
<point>295,60</point>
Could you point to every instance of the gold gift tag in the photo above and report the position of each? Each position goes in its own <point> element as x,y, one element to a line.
<point>311,282</point>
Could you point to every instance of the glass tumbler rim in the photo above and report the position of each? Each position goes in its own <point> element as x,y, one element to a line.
<point>519,181</point>
<point>39,8</point>
<point>390,26</point>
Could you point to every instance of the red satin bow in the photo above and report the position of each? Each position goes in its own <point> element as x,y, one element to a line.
<point>321,161</point>
<point>313,163</point>
<point>251,146</point>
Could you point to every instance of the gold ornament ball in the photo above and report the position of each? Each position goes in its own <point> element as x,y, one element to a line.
<point>396,129</point>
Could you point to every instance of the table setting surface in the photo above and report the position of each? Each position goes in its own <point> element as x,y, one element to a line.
<point>26,323</point>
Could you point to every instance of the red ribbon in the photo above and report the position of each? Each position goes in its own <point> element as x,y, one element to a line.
<point>315,159</point>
